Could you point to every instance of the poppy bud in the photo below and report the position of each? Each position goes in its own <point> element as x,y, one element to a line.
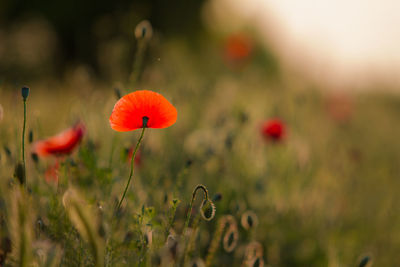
<point>8,151</point>
<point>117,93</point>
<point>189,162</point>
<point>364,261</point>
<point>35,157</point>
<point>25,92</point>
<point>30,136</point>
<point>143,30</point>
<point>19,173</point>
<point>217,197</point>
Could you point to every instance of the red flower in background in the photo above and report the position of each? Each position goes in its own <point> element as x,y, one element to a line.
<point>273,129</point>
<point>340,107</point>
<point>138,156</point>
<point>51,174</point>
<point>142,109</point>
<point>62,144</point>
<point>238,48</point>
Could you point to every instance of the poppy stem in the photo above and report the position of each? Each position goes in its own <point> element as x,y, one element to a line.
<point>132,167</point>
<point>23,143</point>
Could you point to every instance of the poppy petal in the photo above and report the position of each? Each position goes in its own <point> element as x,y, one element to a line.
<point>63,143</point>
<point>129,111</point>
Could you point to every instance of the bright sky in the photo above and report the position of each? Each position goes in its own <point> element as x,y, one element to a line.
<point>353,39</point>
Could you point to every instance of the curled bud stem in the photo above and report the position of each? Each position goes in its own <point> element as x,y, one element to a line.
<point>143,34</point>
<point>205,191</point>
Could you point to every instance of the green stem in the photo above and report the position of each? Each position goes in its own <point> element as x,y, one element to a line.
<point>137,64</point>
<point>23,143</point>
<point>132,167</point>
<point>114,141</point>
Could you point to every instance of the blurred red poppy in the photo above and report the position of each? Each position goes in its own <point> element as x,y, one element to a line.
<point>138,156</point>
<point>238,48</point>
<point>340,107</point>
<point>51,174</point>
<point>62,144</point>
<point>142,109</point>
<point>273,129</point>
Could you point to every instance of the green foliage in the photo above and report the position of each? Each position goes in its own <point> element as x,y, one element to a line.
<point>326,195</point>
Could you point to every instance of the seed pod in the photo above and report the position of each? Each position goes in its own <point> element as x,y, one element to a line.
<point>254,254</point>
<point>148,238</point>
<point>198,262</point>
<point>144,31</point>
<point>19,173</point>
<point>257,262</point>
<point>207,210</point>
<point>249,220</point>
<point>231,238</point>
<point>365,262</point>
<point>117,93</point>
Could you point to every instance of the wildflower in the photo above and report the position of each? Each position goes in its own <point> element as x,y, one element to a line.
<point>238,48</point>
<point>340,107</point>
<point>62,144</point>
<point>142,109</point>
<point>273,129</point>
<point>51,174</point>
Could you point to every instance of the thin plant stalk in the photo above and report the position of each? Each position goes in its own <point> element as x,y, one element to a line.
<point>137,64</point>
<point>23,143</point>
<point>132,167</point>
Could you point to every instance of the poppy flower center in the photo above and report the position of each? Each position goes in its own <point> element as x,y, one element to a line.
<point>145,121</point>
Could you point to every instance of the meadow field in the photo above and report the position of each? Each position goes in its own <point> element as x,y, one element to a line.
<point>213,189</point>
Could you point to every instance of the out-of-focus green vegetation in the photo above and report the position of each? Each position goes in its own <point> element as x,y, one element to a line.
<point>326,195</point>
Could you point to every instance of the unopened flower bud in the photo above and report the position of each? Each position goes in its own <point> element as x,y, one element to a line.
<point>25,92</point>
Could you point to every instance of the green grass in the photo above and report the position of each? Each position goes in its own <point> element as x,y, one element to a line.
<point>326,196</point>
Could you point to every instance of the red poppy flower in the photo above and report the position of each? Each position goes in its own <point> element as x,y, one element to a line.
<point>237,48</point>
<point>273,129</point>
<point>142,109</point>
<point>61,144</point>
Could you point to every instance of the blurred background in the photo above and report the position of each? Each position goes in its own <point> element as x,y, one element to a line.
<point>326,193</point>
<point>348,45</point>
